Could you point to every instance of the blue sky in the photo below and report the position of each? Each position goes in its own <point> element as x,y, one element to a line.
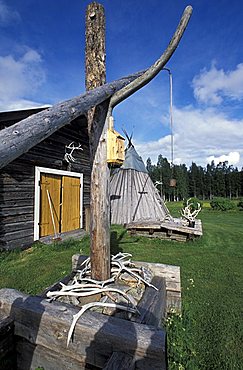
<point>42,62</point>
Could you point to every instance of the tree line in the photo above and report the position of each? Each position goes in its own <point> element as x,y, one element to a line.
<point>221,180</point>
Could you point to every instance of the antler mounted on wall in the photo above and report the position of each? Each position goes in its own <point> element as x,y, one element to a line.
<point>68,157</point>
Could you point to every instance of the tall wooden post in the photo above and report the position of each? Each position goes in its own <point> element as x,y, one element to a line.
<point>95,68</point>
<point>97,126</point>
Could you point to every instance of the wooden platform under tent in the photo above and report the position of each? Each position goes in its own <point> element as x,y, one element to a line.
<point>174,229</point>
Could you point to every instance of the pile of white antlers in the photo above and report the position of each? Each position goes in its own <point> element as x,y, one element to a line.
<point>83,286</point>
<point>187,212</point>
<point>68,157</point>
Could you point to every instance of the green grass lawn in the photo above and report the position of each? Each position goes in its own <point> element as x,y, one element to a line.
<point>208,335</point>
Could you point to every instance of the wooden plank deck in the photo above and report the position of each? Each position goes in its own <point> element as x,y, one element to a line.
<point>177,226</point>
<point>170,230</point>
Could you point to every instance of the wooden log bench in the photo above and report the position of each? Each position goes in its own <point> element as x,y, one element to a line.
<point>7,350</point>
<point>121,361</point>
<point>41,327</point>
<point>153,307</point>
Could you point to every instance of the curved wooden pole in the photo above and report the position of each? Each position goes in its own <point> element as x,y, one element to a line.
<point>22,136</point>
<point>152,71</point>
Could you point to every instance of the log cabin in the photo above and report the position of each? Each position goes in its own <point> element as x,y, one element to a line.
<point>42,193</point>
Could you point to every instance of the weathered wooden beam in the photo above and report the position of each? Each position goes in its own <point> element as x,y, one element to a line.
<point>22,136</point>
<point>96,336</point>
<point>153,303</point>
<point>151,309</point>
<point>172,277</point>
<point>121,361</point>
<point>31,356</point>
<point>7,355</point>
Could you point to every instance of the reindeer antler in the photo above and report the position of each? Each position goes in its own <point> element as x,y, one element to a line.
<point>157,183</point>
<point>69,156</point>
<point>187,212</point>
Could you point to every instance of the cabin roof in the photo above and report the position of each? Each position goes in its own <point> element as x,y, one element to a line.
<point>20,113</point>
<point>8,118</point>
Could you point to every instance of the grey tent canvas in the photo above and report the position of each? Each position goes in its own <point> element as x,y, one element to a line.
<point>134,198</point>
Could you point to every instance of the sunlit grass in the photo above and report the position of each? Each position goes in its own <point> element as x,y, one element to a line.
<point>208,335</point>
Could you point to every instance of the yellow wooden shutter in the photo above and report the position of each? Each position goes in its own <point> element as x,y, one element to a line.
<point>52,184</point>
<point>70,203</point>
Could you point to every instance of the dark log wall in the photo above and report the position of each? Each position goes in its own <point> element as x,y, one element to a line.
<point>17,180</point>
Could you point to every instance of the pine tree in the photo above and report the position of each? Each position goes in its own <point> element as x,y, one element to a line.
<point>219,180</point>
<point>164,175</point>
<point>205,183</point>
<point>208,181</point>
<point>182,181</point>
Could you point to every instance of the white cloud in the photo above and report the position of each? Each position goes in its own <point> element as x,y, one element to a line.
<point>233,158</point>
<point>20,79</point>
<point>7,15</point>
<point>199,135</point>
<point>211,86</point>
